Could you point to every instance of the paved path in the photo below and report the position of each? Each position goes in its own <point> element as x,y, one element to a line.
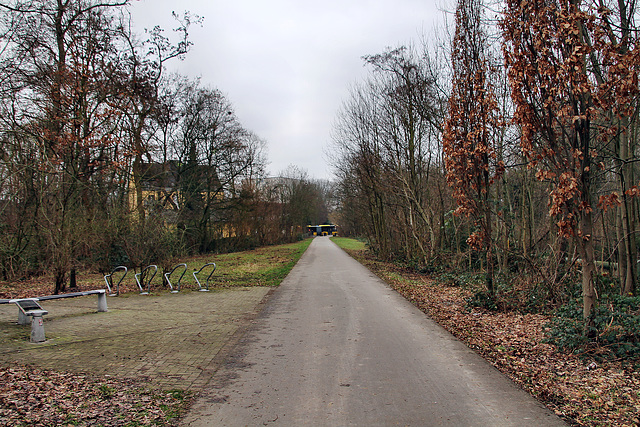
<point>176,341</point>
<point>335,346</point>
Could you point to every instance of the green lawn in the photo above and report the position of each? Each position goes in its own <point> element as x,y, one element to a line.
<point>266,266</point>
<point>349,244</point>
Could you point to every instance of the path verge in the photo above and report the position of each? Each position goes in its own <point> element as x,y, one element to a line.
<point>580,391</point>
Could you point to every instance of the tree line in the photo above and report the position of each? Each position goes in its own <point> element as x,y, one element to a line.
<point>509,148</point>
<point>108,159</point>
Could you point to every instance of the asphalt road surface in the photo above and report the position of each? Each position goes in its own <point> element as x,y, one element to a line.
<point>335,346</point>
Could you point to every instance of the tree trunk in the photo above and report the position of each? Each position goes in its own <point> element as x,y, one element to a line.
<point>60,277</point>
<point>584,243</point>
<point>628,281</point>
<point>72,279</point>
<point>620,248</point>
<point>489,246</point>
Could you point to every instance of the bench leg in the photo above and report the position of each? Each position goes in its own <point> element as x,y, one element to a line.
<point>37,329</point>
<point>102,302</point>
<point>23,319</point>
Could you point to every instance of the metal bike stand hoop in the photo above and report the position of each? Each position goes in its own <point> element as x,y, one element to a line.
<point>141,274</point>
<point>109,280</point>
<point>195,273</point>
<point>167,275</point>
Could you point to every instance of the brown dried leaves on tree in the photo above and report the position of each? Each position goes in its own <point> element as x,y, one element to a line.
<point>470,158</point>
<point>571,83</point>
<point>574,84</point>
<point>468,142</point>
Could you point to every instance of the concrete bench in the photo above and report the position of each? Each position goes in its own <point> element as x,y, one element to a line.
<point>29,307</point>
<point>29,311</point>
<point>102,297</point>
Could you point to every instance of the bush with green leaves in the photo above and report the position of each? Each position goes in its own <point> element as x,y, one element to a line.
<point>462,280</point>
<point>613,330</point>
<point>482,299</point>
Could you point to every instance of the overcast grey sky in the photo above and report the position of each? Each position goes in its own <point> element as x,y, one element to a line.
<point>287,65</point>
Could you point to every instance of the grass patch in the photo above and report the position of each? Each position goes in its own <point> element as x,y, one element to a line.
<point>177,406</point>
<point>266,266</point>
<point>106,392</point>
<point>349,244</point>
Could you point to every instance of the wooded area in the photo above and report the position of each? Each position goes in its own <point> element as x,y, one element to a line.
<point>107,159</point>
<point>511,150</point>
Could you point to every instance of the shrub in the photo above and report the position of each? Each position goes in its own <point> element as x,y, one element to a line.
<point>461,280</point>
<point>613,331</point>
<point>482,299</point>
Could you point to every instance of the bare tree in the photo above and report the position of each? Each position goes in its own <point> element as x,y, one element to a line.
<point>140,80</point>
<point>216,155</point>
<point>56,58</point>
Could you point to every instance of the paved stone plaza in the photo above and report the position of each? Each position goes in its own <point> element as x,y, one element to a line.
<point>173,340</point>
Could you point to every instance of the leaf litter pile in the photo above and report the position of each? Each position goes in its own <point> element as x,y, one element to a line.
<point>37,397</point>
<point>581,391</point>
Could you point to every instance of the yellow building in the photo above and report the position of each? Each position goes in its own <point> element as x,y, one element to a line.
<point>161,191</point>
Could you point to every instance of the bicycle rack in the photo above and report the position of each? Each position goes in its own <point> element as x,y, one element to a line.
<point>141,274</point>
<point>195,273</point>
<point>166,276</point>
<point>109,280</point>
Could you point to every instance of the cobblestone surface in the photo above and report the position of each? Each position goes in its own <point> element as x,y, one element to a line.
<point>172,340</point>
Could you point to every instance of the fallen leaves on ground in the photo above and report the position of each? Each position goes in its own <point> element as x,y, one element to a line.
<point>580,391</point>
<point>38,397</point>
<point>35,397</point>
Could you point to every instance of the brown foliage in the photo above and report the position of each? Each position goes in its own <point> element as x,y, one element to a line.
<point>37,397</point>
<point>572,81</point>
<point>468,141</point>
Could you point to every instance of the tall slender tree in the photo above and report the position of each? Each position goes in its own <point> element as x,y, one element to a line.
<point>471,128</point>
